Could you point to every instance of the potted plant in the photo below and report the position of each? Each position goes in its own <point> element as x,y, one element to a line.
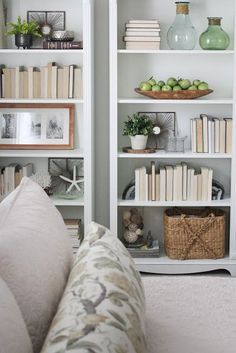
<point>24,32</point>
<point>138,128</point>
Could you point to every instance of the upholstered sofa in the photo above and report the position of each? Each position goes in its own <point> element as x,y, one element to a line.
<point>50,303</point>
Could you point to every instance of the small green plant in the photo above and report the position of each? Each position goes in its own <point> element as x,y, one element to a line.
<point>138,125</point>
<point>24,27</point>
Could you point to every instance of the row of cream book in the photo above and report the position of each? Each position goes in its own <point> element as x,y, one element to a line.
<point>142,34</point>
<point>50,82</point>
<point>74,231</point>
<point>173,183</point>
<point>211,135</point>
<point>11,175</point>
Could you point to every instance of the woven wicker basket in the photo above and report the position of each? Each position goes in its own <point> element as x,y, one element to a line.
<point>194,234</point>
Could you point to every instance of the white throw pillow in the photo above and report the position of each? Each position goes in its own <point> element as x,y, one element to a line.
<point>35,256</point>
<point>14,337</point>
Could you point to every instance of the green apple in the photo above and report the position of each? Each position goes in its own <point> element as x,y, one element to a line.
<point>152,81</point>
<point>166,88</point>
<point>196,83</point>
<point>203,86</point>
<point>192,88</point>
<point>161,83</point>
<point>185,84</point>
<point>145,86</point>
<point>177,88</point>
<point>172,82</point>
<point>156,88</point>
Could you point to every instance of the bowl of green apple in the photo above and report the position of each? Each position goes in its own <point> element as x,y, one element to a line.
<point>173,88</point>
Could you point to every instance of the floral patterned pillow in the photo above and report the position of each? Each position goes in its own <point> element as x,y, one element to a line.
<point>102,309</point>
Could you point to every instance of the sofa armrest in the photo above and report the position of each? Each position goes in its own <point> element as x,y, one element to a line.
<point>102,309</point>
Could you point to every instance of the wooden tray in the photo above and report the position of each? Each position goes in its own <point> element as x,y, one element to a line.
<point>146,150</point>
<point>184,94</point>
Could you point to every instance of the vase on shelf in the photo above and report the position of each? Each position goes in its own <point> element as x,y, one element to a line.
<point>214,38</point>
<point>182,34</point>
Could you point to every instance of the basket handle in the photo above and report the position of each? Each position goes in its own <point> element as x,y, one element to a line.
<point>206,212</point>
<point>196,236</point>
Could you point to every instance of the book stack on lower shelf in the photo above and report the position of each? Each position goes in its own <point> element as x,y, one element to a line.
<point>211,135</point>
<point>62,45</point>
<point>74,231</point>
<point>173,183</point>
<point>51,81</point>
<point>142,35</point>
<point>145,251</point>
<point>11,175</point>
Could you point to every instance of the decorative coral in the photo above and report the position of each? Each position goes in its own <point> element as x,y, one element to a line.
<point>133,224</point>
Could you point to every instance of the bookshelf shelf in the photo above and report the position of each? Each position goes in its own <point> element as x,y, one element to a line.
<point>79,16</point>
<point>76,153</point>
<point>218,101</point>
<point>40,51</point>
<point>127,69</point>
<point>68,203</point>
<point>186,155</point>
<point>226,202</point>
<point>11,100</point>
<point>177,52</point>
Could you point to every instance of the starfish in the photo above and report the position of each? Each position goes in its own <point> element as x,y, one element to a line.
<point>74,182</point>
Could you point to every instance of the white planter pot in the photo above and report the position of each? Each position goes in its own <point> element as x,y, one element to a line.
<point>138,142</point>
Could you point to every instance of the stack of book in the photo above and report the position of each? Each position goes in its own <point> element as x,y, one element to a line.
<point>211,135</point>
<point>51,81</point>
<point>62,45</point>
<point>144,251</point>
<point>142,34</point>
<point>173,183</point>
<point>11,175</point>
<point>74,231</point>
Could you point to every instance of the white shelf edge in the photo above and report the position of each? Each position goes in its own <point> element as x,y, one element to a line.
<point>216,203</point>
<point>76,153</point>
<point>40,51</point>
<point>163,259</point>
<point>177,52</point>
<point>185,155</point>
<point>174,101</point>
<point>13,100</point>
<point>64,202</point>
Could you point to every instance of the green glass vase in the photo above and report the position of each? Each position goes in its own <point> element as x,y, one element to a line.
<point>214,38</point>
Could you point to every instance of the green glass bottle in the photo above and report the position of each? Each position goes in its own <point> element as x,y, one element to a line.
<point>214,38</point>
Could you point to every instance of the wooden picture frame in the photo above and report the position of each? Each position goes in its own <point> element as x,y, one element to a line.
<point>39,126</point>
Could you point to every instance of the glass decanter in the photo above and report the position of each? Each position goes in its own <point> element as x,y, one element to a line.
<point>182,34</point>
<point>214,38</point>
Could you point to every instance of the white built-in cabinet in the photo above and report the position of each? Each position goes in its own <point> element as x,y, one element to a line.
<point>127,69</point>
<point>79,18</point>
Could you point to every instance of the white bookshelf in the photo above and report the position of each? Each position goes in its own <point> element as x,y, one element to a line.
<point>79,18</point>
<point>127,69</point>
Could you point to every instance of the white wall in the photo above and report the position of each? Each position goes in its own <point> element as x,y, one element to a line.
<point>101,111</point>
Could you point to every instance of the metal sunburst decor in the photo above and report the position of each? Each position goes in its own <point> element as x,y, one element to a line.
<point>166,121</point>
<point>67,176</point>
<point>55,19</point>
<point>48,22</point>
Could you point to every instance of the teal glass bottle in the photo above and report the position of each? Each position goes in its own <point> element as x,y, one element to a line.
<point>182,34</point>
<point>214,38</point>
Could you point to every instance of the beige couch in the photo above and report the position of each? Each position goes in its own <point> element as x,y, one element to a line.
<point>48,303</point>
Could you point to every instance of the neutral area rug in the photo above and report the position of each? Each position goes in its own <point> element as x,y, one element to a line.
<point>190,314</point>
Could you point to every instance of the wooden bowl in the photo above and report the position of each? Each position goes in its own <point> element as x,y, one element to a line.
<point>184,94</point>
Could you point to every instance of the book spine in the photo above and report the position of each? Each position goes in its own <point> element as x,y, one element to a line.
<point>153,181</point>
<point>62,45</point>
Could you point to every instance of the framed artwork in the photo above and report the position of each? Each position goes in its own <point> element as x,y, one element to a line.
<point>166,121</point>
<point>65,171</point>
<point>37,126</point>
